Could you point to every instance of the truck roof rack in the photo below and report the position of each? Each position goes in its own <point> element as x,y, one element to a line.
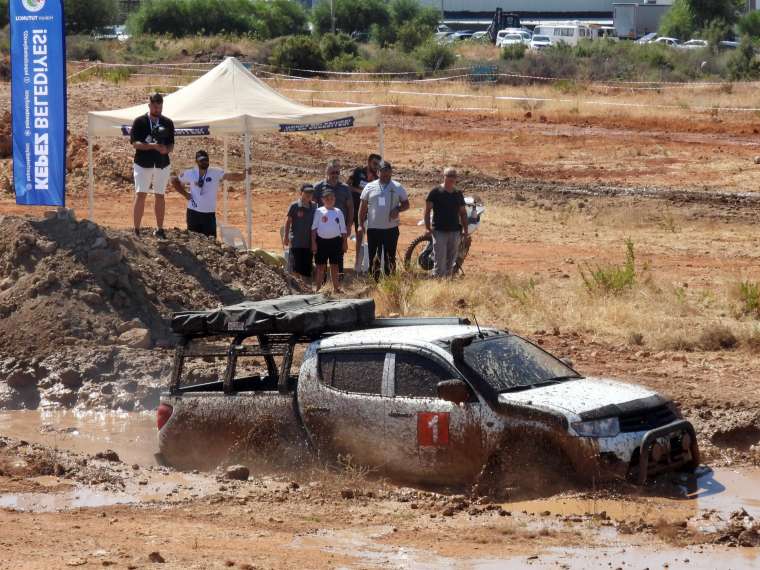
<point>382,323</point>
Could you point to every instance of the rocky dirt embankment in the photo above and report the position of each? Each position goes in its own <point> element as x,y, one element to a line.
<point>83,309</point>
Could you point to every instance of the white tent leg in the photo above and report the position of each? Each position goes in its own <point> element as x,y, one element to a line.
<point>381,133</point>
<point>248,206</point>
<point>226,168</point>
<point>91,185</point>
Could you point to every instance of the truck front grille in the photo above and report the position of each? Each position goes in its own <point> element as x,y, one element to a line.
<point>644,420</point>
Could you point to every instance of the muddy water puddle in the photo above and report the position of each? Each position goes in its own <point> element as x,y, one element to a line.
<point>132,435</point>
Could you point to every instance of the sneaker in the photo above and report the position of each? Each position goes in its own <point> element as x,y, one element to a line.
<point>160,233</point>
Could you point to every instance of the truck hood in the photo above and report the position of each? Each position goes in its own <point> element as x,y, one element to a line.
<point>589,398</point>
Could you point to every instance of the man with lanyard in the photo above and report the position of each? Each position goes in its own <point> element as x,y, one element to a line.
<point>359,178</point>
<point>343,200</point>
<point>152,137</point>
<point>381,203</point>
<point>203,181</point>
<point>449,226</point>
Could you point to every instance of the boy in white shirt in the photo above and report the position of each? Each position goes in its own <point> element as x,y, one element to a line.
<point>328,239</point>
<point>203,181</point>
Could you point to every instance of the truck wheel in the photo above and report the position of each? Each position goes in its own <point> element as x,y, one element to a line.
<point>419,254</point>
<point>525,469</point>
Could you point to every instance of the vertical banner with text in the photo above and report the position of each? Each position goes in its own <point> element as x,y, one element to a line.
<point>38,101</point>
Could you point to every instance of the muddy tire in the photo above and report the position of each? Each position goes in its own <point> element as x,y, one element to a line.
<point>521,469</point>
<point>414,256</point>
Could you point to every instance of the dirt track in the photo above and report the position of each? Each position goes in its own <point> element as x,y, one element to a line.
<point>560,192</point>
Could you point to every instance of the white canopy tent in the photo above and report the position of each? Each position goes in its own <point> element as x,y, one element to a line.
<point>230,100</point>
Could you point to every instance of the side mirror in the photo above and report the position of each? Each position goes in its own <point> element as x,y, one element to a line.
<point>566,361</point>
<point>454,391</point>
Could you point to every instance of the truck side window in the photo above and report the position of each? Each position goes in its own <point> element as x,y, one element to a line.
<point>358,372</point>
<point>417,376</point>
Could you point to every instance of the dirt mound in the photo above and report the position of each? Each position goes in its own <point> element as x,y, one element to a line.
<point>5,135</point>
<point>80,305</point>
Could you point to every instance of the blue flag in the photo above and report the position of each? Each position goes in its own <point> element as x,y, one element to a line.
<point>38,101</point>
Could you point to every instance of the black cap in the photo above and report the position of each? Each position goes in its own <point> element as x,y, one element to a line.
<point>307,188</point>
<point>201,154</point>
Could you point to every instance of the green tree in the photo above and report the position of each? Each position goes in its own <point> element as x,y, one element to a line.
<point>336,45</point>
<point>350,15</point>
<point>435,56</point>
<point>278,18</point>
<point>678,22</point>
<point>411,25</point>
<point>297,53</point>
<point>749,25</point>
<point>741,63</point>
<point>84,16</point>
<point>706,11</point>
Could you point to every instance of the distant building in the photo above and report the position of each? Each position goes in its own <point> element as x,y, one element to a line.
<point>544,9</point>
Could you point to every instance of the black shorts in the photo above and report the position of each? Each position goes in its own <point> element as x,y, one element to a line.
<point>329,250</point>
<point>301,260</point>
<point>201,222</point>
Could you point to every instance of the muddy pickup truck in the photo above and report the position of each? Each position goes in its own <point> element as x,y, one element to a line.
<point>435,401</point>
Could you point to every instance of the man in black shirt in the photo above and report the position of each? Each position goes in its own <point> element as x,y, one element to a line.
<point>357,181</point>
<point>449,222</point>
<point>152,137</point>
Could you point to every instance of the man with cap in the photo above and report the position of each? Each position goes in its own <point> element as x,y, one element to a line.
<point>343,200</point>
<point>297,233</point>
<point>381,203</point>
<point>203,181</point>
<point>152,137</point>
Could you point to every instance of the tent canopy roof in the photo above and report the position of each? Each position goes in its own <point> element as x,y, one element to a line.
<point>230,100</point>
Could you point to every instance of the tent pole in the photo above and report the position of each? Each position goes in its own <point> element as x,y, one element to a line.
<point>91,185</point>
<point>381,129</point>
<point>248,207</point>
<point>226,168</point>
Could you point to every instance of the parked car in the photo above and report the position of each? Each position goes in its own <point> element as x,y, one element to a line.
<point>695,44</point>
<point>435,401</point>
<point>480,36</point>
<point>540,42</point>
<point>670,42</point>
<point>511,39</point>
<point>647,38</point>
<point>501,34</point>
<point>111,33</point>
<point>726,44</point>
<point>461,35</point>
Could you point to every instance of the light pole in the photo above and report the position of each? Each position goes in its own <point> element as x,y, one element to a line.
<point>332,16</point>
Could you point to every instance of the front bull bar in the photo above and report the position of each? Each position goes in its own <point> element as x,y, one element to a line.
<point>651,437</point>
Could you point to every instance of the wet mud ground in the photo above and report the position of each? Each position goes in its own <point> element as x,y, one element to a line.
<point>62,506</point>
<point>559,193</point>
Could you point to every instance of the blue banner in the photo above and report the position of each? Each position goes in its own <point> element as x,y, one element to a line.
<point>38,101</point>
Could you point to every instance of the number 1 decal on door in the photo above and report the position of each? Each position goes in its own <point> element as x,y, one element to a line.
<point>432,429</point>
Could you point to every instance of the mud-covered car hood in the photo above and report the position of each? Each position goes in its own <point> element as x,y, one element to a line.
<point>589,398</point>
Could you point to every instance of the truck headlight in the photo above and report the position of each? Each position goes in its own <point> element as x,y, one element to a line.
<point>608,427</point>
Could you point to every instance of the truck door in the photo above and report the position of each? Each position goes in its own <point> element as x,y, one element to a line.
<point>428,437</point>
<point>344,410</point>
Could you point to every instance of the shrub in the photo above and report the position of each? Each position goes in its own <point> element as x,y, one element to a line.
<point>749,25</point>
<point>350,15</point>
<point>3,13</point>
<point>345,62</point>
<point>84,48</point>
<point>298,52</point>
<point>717,337</point>
<point>276,18</point>
<point>612,279</point>
<point>390,61</point>
<point>410,36</point>
<point>513,51</point>
<point>84,16</point>
<point>395,291</point>
<point>749,297</point>
<point>336,45</point>
<point>741,63</point>
<point>435,56</point>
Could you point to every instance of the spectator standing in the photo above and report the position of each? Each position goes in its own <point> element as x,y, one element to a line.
<point>152,137</point>
<point>203,181</point>
<point>359,178</point>
<point>343,200</point>
<point>449,222</point>
<point>329,239</point>
<point>381,203</point>
<point>298,231</point>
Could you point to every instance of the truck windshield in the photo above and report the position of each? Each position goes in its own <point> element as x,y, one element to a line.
<point>510,363</point>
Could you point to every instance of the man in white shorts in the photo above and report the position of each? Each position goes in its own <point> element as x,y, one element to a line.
<point>203,181</point>
<point>152,137</point>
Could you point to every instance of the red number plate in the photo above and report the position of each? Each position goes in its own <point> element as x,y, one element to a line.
<point>432,428</point>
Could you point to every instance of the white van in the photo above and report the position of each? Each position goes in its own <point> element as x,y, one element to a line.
<point>568,32</point>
